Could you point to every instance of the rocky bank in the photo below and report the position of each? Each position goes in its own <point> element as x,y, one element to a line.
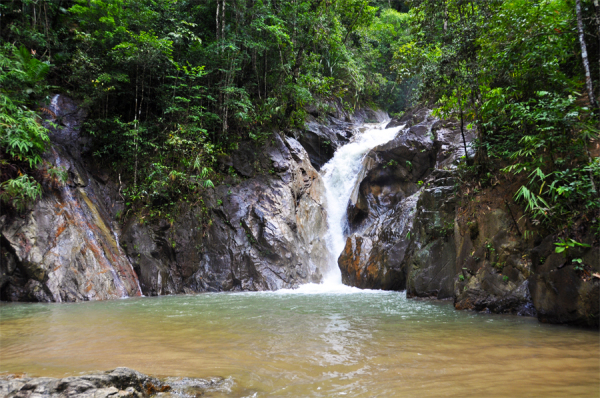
<point>265,233</point>
<point>412,228</point>
<point>117,383</point>
<point>408,226</point>
<point>66,247</point>
<point>262,230</point>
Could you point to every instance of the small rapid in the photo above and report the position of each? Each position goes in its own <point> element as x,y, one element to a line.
<point>339,177</point>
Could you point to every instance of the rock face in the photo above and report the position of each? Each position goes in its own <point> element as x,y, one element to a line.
<point>409,229</point>
<point>390,173</point>
<point>431,266</point>
<point>117,383</point>
<point>65,248</point>
<point>383,206</point>
<point>559,293</point>
<point>433,252</point>
<point>373,259</point>
<point>495,272</point>
<point>263,234</point>
<point>327,130</point>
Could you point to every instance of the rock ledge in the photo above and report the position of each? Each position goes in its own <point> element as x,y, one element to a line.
<point>117,383</point>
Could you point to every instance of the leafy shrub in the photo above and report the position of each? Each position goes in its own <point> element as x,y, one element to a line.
<point>20,192</point>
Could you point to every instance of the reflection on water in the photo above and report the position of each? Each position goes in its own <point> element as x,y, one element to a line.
<point>284,344</point>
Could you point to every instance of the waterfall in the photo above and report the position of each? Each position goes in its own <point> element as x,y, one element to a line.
<point>340,176</point>
<point>54,104</point>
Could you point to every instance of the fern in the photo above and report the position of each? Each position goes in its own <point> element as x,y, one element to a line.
<point>20,192</point>
<point>21,134</point>
<point>34,69</point>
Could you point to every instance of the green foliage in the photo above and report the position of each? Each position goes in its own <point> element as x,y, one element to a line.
<point>578,264</point>
<point>393,163</point>
<point>511,71</point>
<point>20,192</point>
<point>22,136</point>
<point>564,245</point>
<point>171,85</point>
<point>23,139</point>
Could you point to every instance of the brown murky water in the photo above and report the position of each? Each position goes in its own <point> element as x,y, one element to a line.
<point>352,344</point>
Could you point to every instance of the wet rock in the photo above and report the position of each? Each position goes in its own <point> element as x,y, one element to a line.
<point>494,276</point>
<point>382,207</point>
<point>410,118</point>
<point>559,292</point>
<point>146,246</point>
<point>412,178</point>
<point>374,259</point>
<point>183,387</point>
<point>451,143</point>
<point>65,248</point>
<point>431,266</point>
<point>120,382</point>
<point>391,173</point>
<point>328,129</point>
<point>266,233</point>
<point>68,116</point>
<point>488,291</point>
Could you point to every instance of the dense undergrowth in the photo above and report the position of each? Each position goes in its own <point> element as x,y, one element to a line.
<point>513,70</point>
<point>170,86</point>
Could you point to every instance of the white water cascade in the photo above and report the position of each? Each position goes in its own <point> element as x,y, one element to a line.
<point>339,177</point>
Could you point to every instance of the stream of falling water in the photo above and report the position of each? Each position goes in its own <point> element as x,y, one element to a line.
<point>339,341</point>
<point>339,177</point>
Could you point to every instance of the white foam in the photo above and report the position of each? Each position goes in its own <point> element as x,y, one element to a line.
<point>332,287</point>
<point>339,177</point>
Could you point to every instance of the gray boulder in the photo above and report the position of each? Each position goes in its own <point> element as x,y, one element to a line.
<point>266,233</point>
<point>66,247</point>
<point>117,383</point>
<point>562,294</point>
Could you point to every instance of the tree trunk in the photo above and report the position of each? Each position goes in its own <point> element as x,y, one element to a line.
<point>462,127</point>
<point>584,55</point>
<point>353,23</point>
<point>135,121</point>
<point>445,17</point>
<point>217,21</point>
<point>597,9</point>
<point>223,20</point>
